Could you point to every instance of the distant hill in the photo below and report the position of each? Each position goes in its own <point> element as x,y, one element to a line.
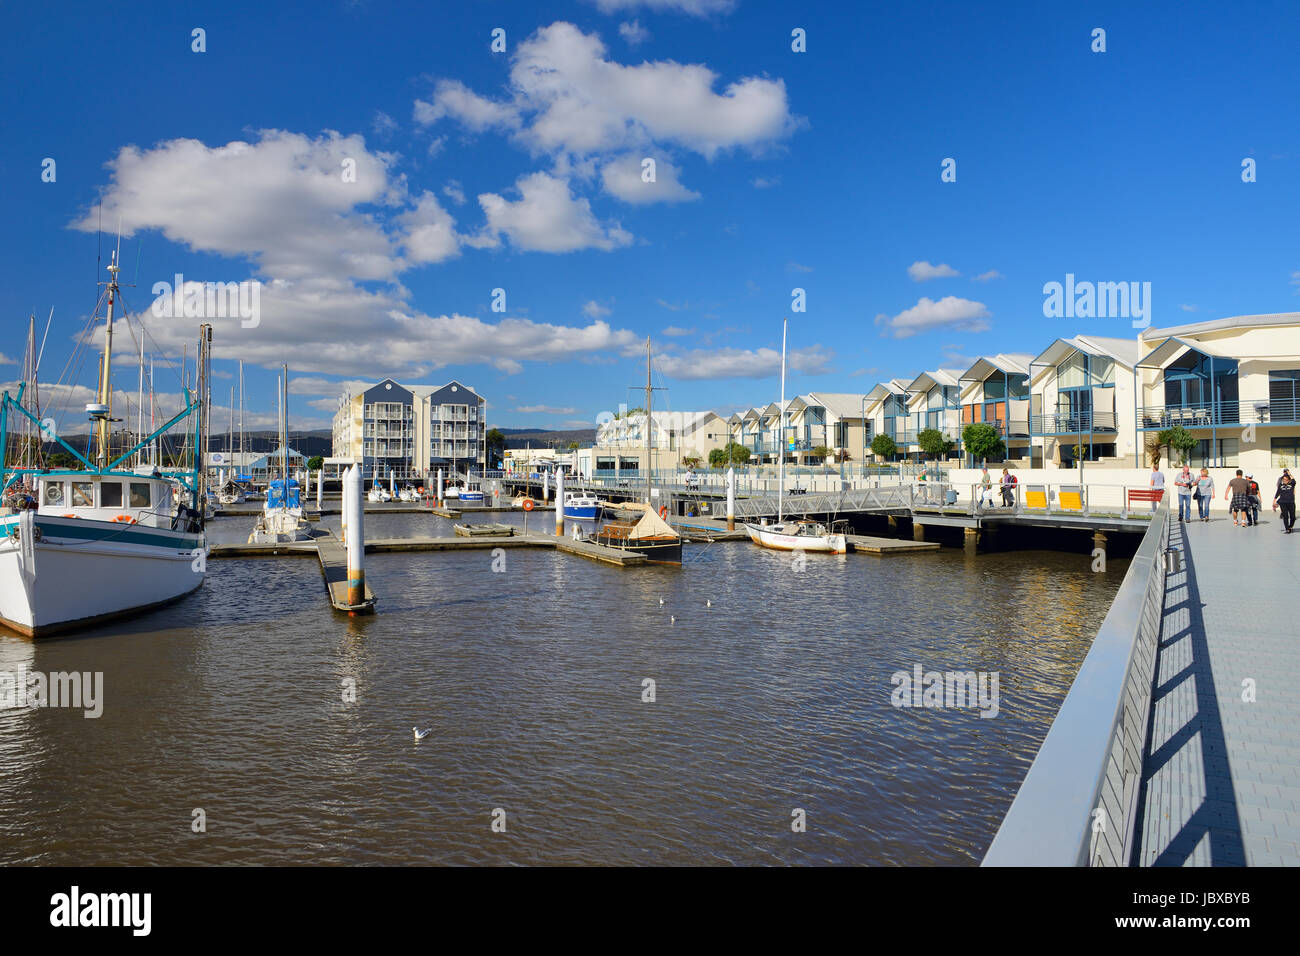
<point>542,438</point>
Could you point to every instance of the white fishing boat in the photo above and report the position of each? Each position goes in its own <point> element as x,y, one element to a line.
<point>93,545</point>
<point>378,493</point>
<point>408,494</point>
<point>795,535</point>
<point>282,520</point>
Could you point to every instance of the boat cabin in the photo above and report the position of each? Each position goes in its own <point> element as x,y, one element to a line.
<point>120,496</point>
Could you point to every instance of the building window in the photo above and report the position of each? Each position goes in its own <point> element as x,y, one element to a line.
<point>1285,452</point>
<point>1210,453</point>
<point>1284,395</point>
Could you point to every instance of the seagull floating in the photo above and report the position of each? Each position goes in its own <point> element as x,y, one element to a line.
<point>661,601</point>
<point>421,734</point>
<point>672,619</point>
<point>708,602</point>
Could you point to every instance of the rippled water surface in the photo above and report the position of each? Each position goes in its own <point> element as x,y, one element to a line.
<point>777,697</point>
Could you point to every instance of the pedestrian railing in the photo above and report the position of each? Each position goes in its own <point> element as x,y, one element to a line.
<point>1078,804</point>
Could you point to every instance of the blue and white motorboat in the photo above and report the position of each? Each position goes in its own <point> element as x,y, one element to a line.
<point>581,505</point>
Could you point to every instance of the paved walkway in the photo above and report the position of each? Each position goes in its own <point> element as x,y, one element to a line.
<point>1222,774</point>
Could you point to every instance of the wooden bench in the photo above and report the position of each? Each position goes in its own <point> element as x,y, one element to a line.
<point>1145,494</point>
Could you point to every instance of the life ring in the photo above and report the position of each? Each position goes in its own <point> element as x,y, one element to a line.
<point>124,519</point>
<point>72,516</point>
<point>528,504</point>
<point>663,511</point>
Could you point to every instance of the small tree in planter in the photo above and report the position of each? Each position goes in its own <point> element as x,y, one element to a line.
<point>983,441</point>
<point>1177,439</point>
<point>933,443</point>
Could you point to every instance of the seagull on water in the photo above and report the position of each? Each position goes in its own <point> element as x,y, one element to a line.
<point>672,619</point>
<point>421,734</point>
<point>708,602</point>
<point>661,602</point>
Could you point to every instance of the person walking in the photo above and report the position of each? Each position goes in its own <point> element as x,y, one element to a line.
<point>1237,495</point>
<point>1184,482</point>
<point>1157,484</point>
<point>1284,500</point>
<point>986,488</point>
<point>1008,488</point>
<point>1204,493</point>
<point>1252,512</point>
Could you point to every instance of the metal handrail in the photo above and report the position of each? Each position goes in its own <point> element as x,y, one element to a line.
<point>1078,803</point>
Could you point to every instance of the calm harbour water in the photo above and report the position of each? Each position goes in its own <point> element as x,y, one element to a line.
<point>777,697</point>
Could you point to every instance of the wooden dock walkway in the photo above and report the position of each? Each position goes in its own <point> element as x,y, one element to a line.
<point>307,549</point>
<point>868,544</point>
<point>334,569</point>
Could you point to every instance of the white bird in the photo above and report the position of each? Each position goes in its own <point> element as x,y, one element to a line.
<point>661,602</point>
<point>708,602</point>
<point>672,619</point>
<point>421,734</point>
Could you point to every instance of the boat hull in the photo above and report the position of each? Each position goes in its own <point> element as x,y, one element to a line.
<point>768,537</point>
<point>656,550</point>
<point>81,572</point>
<point>583,513</point>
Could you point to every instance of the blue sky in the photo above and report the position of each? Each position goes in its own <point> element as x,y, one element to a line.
<point>520,170</point>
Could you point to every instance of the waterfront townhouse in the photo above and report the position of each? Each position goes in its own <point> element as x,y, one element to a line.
<point>933,402</point>
<point>410,431</point>
<point>674,436</point>
<point>745,428</point>
<point>1082,402</point>
<point>1233,383</point>
<point>886,412</point>
<point>994,391</point>
<point>836,421</point>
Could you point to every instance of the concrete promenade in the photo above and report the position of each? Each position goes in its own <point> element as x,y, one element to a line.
<point>1221,775</point>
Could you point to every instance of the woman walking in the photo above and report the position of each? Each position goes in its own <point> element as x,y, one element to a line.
<point>1204,493</point>
<point>1284,500</point>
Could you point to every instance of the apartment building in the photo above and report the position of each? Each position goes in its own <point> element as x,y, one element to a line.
<point>410,431</point>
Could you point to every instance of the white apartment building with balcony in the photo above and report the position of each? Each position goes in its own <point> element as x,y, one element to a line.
<point>410,431</point>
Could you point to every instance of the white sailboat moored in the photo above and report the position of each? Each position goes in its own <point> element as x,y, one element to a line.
<point>281,520</point>
<point>792,535</point>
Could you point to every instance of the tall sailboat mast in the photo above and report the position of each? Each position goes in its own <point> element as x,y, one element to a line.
<point>780,442</point>
<point>649,425</point>
<point>102,423</point>
<point>139,406</point>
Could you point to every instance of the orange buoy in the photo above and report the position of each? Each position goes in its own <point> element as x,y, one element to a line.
<point>125,519</point>
<point>663,511</point>
<point>528,504</point>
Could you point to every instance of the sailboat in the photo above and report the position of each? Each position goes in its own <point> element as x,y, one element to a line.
<point>100,543</point>
<point>785,535</point>
<point>281,520</point>
<point>651,535</point>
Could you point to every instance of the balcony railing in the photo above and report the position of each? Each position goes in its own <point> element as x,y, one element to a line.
<point>1213,415</point>
<point>1066,423</point>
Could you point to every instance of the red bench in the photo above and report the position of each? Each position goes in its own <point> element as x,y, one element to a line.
<point>1145,494</point>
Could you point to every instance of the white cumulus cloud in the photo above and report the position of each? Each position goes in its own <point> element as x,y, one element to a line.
<point>922,271</point>
<point>949,312</point>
